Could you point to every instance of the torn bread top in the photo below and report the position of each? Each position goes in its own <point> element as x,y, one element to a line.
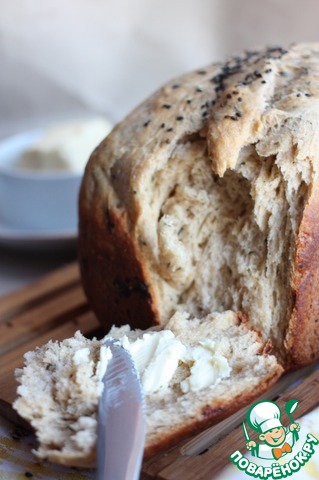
<point>212,177</point>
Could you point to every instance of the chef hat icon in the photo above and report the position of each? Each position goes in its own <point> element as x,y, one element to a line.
<point>264,416</point>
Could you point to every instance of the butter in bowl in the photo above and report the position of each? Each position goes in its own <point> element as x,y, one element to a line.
<point>40,175</point>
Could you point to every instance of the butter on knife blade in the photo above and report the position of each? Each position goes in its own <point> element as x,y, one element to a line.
<point>121,419</point>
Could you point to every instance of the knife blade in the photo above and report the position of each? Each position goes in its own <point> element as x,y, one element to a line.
<point>121,418</point>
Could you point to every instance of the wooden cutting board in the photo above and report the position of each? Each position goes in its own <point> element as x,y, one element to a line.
<point>54,308</point>
<point>51,308</point>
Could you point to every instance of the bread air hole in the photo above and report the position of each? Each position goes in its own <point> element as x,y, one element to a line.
<point>225,243</point>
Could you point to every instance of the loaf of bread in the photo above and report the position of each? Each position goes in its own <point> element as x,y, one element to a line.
<point>205,198</point>
<point>221,366</point>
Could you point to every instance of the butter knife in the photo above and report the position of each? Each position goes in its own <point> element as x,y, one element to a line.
<point>121,418</point>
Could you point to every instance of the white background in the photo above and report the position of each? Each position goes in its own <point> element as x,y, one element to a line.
<point>63,56</point>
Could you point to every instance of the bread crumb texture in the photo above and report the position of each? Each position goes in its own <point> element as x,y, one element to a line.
<point>214,181</point>
<point>60,385</point>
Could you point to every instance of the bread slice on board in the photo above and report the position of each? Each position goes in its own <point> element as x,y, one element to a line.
<point>206,198</point>
<point>61,382</point>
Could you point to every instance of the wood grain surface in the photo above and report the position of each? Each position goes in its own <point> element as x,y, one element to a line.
<point>55,307</point>
<point>51,308</point>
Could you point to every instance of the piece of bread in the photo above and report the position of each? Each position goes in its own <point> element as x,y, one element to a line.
<point>206,198</point>
<point>60,385</point>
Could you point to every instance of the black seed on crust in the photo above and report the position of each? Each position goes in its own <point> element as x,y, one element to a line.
<point>141,289</point>
<point>109,223</point>
<point>128,286</point>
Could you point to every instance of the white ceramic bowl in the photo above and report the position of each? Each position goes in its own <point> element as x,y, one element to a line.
<point>36,201</point>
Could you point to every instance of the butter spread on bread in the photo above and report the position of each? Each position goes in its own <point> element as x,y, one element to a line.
<point>203,200</point>
<point>158,354</point>
<point>59,385</point>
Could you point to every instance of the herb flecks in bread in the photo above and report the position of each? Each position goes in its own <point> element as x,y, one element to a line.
<point>58,394</point>
<point>206,195</point>
<point>204,199</point>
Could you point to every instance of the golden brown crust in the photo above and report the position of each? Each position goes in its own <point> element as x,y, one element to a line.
<point>207,417</point>
<point>303,334</point>
<point>168,422</point>
<point>109,239</point>
<point>210,416</point>
<point>114,280</point>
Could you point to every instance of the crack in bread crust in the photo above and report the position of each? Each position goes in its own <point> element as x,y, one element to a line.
<point>255,118</point>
